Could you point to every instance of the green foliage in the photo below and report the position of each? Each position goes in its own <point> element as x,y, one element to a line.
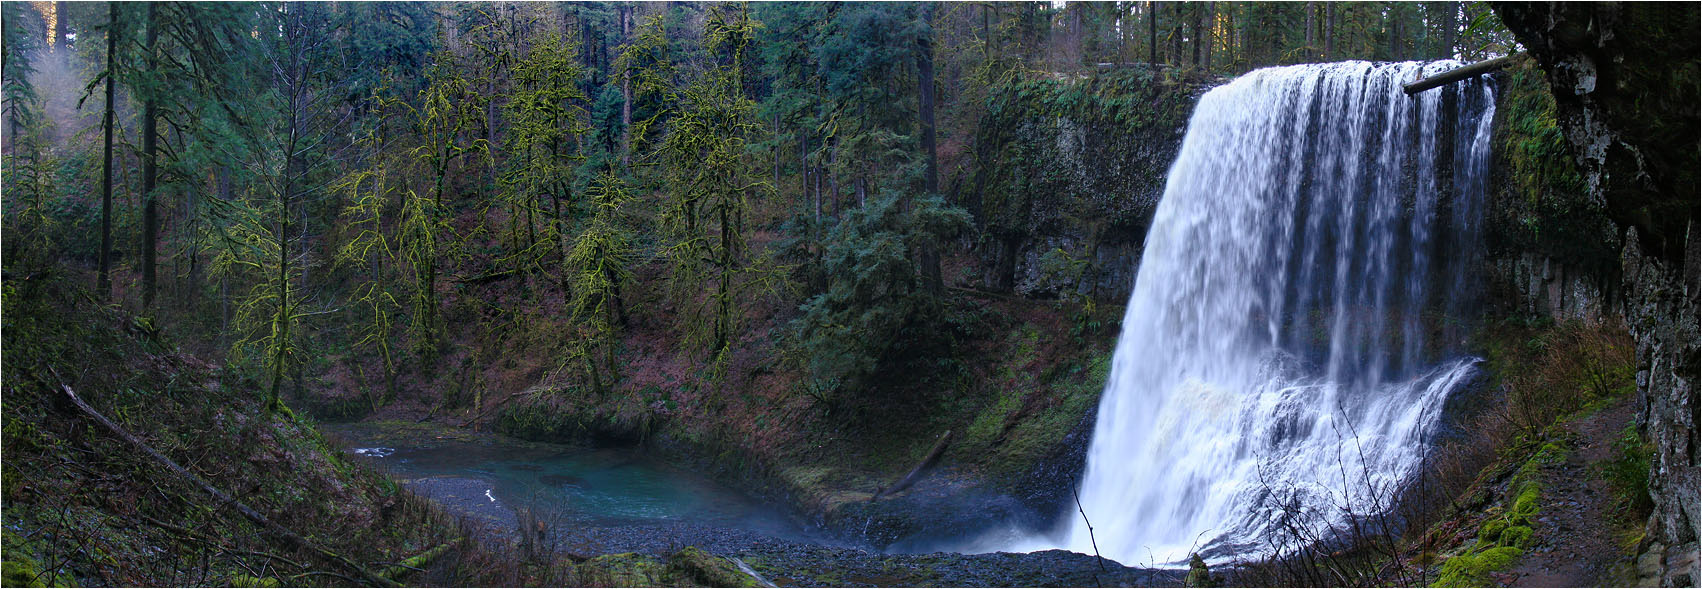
<point>22,30</point>
<point>447,112</point>
<point>546,120</point>
<point>647,65</point>
<point>1627,473</point>
<point>875,313</point>
<point>598,265</point>
<point>711,177</point>
<point>371,194</point>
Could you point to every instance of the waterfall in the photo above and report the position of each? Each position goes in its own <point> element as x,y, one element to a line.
<point>1289,342</point>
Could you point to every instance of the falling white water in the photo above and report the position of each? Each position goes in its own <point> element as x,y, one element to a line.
<point>1281,350</point>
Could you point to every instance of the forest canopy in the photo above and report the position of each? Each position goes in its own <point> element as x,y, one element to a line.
<point>300,181</point>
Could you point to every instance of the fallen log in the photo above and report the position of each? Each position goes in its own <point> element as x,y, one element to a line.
<point>916,473</point>
<point>419,562</point>
<point>291,538</point>
<point>1457,74</point>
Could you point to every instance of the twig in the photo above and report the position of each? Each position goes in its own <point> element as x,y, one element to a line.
<point>1090,538</point>
<point>203,538</point>
<point>324,574</point>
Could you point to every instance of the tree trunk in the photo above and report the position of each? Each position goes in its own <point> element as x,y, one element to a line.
<point>625,11</point>
<point>929,257</point>
<point>1152,33</point>
<point>1457,74</point>
<point>804,168</point>
<point>1178,25</point>
<point>925,100</point>
<point>1209,23</point>
<point>1311,30</point>
<point>150,174</point>
<point>103,281</point>
<point>833,177</point>
<point>1329,30</point>
<point>59,21</point>
<point>1394,32</point>
<point>1450,28</point>
<point>1199,31</point>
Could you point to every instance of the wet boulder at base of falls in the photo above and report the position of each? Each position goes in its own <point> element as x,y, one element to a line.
<point>1624,78</point>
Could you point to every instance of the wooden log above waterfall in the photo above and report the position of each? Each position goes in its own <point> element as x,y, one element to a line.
<point>1457,74</point>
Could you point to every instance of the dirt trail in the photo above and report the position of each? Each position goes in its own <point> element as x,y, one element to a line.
<point>1576,535</point>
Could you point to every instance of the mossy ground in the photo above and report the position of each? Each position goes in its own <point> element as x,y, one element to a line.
<point>85,507</point>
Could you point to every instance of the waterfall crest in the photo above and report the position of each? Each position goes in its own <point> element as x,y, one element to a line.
<point>1286,347</point>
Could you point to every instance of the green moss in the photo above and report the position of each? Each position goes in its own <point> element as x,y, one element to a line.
<point>1491,530</point>
<point>19,573</point>
<point>1516,536</point>
<point>1015,383</point>
<point>1472,570</point>
<point>1545,207</point>
<point>247,581</point>
<point>1551,454</point>
<point>622,570</point>
<point>696,568</point>
<point>1525,505</point>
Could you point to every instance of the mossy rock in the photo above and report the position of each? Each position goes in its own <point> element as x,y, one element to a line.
<point>1551,454</point>
<point>622,570</point>
<point>1491,530</point>
<point>1526,505</point>
<point>1516,536</point>
<point>696,568</point>
<point>1472,570</point>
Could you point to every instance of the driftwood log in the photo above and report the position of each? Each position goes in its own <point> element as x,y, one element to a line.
<point>1457,74</point>
<point>284,534</point>
<point>921,467</point>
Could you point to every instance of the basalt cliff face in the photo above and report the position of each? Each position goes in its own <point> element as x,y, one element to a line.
<point>1624,80</point>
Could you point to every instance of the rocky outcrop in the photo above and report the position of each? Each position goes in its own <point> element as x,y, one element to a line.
<point>1066,175</point>
<point>1624,79</point>
<point>1661,310</point>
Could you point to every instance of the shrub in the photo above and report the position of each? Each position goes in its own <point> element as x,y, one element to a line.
<point>1627,474</point>
<point>876,313</point>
